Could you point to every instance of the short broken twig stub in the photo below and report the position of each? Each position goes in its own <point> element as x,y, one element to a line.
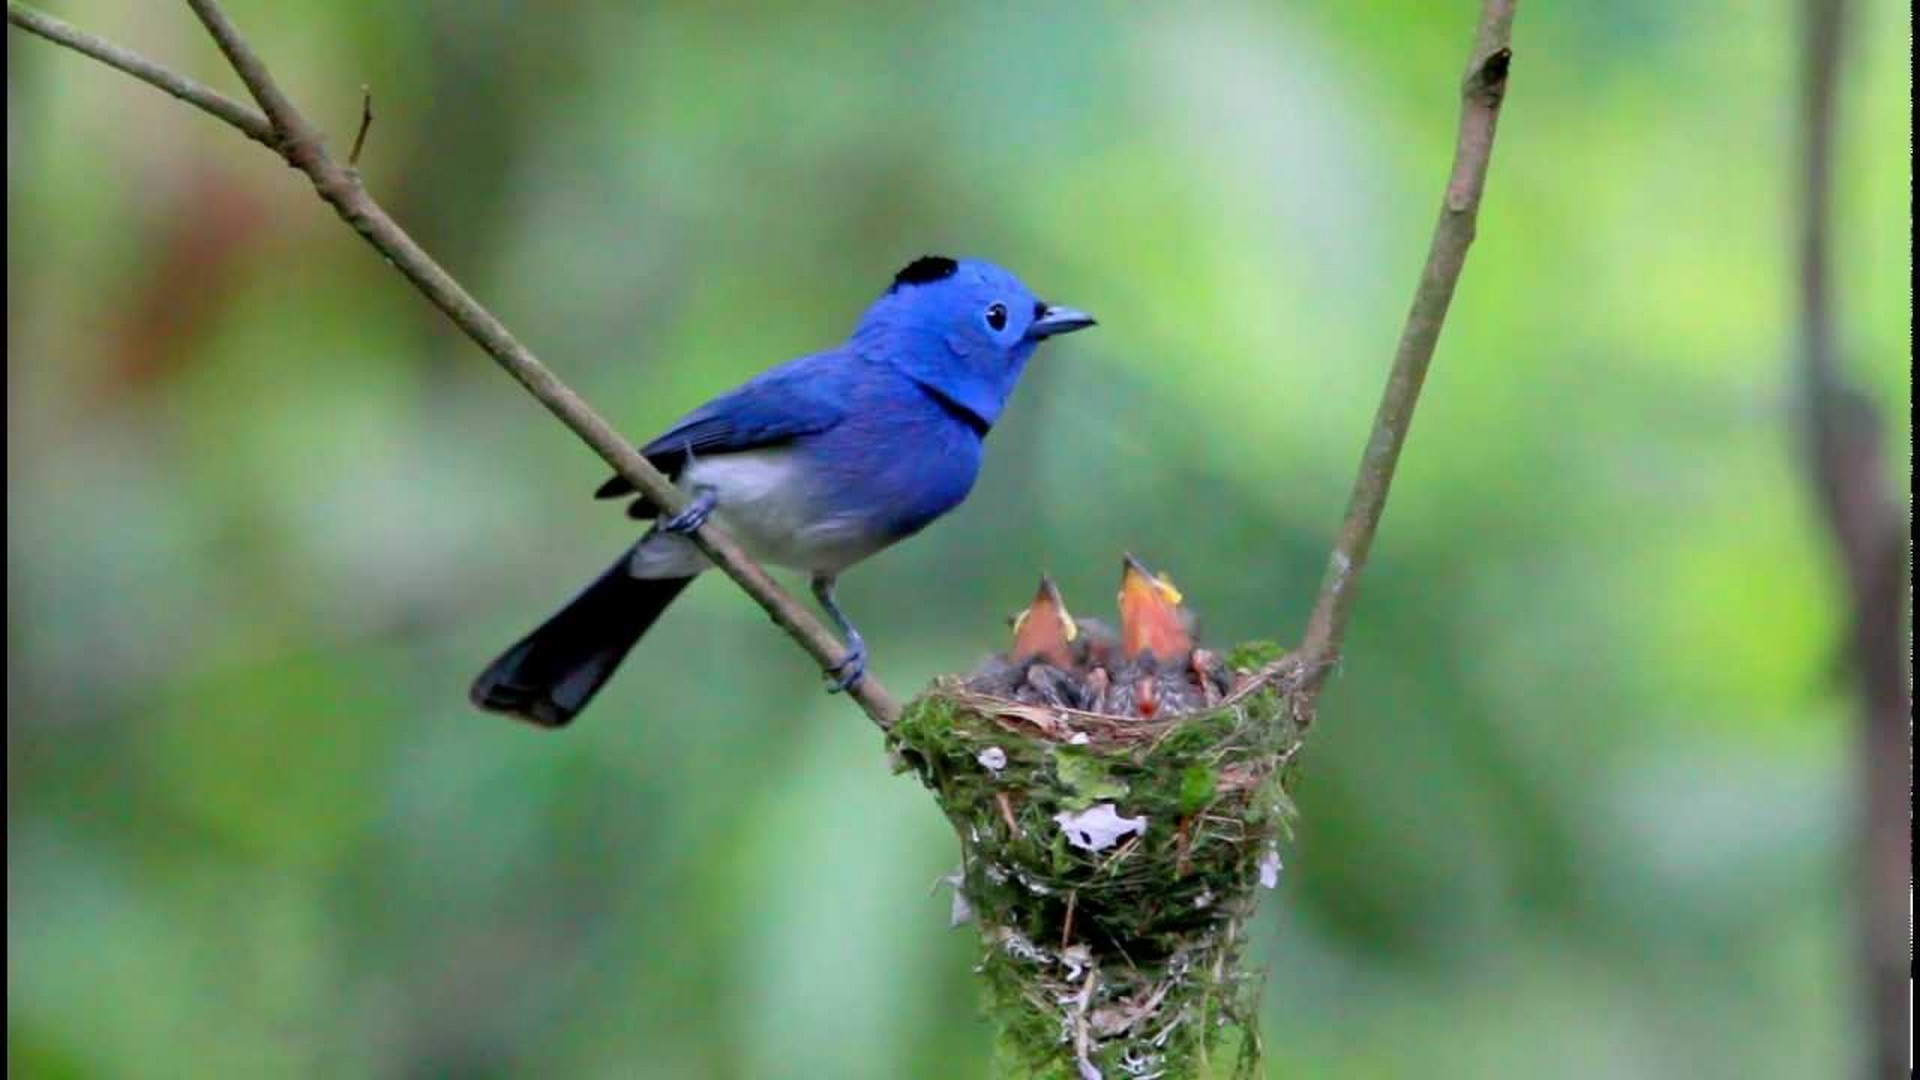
<point>1109,858</point>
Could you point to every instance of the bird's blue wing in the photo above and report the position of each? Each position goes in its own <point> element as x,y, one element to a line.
<point>785,403</point>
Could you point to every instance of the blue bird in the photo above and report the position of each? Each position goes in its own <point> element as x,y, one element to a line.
<point>813,465</point>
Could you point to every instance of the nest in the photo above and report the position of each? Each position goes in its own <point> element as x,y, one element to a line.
<point>1110,862</point>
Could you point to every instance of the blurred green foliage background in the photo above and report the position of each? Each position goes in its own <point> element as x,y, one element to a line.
<point>1579,799</point>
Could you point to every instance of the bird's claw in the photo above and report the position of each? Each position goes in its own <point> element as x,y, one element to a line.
<point>695,515</point>
<point>851,668</point>
<point>853,665</point>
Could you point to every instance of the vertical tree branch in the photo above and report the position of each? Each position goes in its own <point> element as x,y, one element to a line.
<point>1481,94</point>
<point>288,132</point>
<point>1842,443</point>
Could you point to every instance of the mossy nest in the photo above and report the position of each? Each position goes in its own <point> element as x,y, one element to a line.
<point>1110,863</point>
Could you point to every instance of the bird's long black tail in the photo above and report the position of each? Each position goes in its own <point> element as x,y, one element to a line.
<point>547,677</point>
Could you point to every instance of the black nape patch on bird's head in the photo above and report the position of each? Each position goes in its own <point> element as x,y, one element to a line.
<point>924,269</point>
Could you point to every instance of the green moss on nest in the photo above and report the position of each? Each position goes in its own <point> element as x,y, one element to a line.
<point>1251,655</point>
<point>1120,954</point>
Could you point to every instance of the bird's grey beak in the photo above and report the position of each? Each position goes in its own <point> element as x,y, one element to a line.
<point>1058,320</point>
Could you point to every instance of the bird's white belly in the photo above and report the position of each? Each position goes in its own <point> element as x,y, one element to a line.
<point>766,504</point>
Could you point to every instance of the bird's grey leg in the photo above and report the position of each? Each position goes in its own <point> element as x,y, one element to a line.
<point>853,665</point>
<point>697,511</point>
<point>695,515</point>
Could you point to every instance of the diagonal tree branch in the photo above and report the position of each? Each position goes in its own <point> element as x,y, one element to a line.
<point>1842,442</point>
<point>290,135</point>
<point>251,124</point>
<point>1481,94</point>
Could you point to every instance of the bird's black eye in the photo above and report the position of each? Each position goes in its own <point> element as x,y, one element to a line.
<point>997,316</point>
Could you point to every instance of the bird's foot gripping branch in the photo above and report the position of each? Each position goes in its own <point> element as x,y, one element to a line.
<point>1120,802</point>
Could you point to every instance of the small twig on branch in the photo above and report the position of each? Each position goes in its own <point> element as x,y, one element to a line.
<point>1482,92</point>
<point>1842,436</point>
<point>1082,1036</point>
<point>289,134</point>
<point>366,121</point>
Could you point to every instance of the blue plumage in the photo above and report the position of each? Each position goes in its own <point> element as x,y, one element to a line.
<point>815,465</point>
